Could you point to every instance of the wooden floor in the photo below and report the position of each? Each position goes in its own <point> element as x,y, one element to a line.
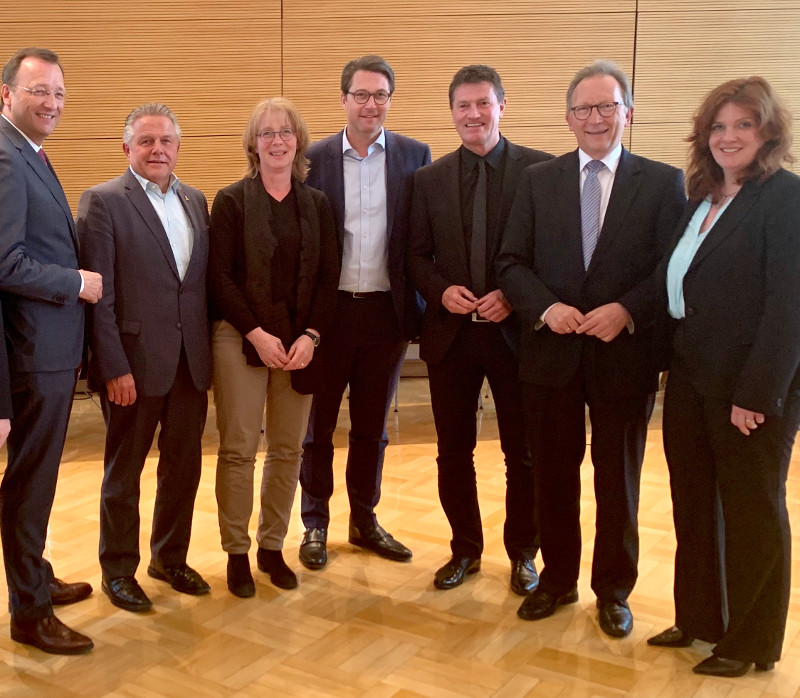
<point>366,626</point>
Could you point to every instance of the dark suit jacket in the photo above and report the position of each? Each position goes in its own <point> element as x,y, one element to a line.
<point>437,253</point>
<point>740,340</point>
<point>403,157</point>
<point>146,313</point>
<point>242,247</point>
<point>541,263</point>
<point>39,280</point>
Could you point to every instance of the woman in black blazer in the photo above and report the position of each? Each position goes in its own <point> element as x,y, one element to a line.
<point>273,273</point>
<point>732,404</point>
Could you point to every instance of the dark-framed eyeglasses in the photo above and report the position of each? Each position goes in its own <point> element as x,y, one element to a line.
<point>42,92</point>
<point>362,96</point>
<point>584,111</point>
<point>268,135</point>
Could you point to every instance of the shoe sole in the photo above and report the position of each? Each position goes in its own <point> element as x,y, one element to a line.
<point>26,640</point>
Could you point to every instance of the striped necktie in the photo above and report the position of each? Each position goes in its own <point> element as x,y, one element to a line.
<point>590,210</point>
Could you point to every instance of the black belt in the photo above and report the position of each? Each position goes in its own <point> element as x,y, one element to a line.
<point>363,294</point>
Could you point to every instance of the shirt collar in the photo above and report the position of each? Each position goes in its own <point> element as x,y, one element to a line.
<point>494,157</point>
<point>611,161</point>
<point>380,140</point>
<point>147,184</point>
<point>37,148</point>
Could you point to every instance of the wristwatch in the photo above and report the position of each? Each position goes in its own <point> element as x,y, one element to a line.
<point>313,337</point>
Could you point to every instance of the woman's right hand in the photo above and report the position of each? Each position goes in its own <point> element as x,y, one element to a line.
<point>269,347</point>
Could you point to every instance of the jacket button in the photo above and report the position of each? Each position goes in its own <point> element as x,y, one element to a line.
<point>690,311</point>
<point>178,325</point>
<point>779,402</point>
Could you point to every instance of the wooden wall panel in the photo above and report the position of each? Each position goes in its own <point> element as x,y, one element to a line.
<point>536,54</point>
<point>208,65</point>
<point>680,58</point>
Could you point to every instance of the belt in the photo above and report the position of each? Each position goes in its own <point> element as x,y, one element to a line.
<point>363,294</point>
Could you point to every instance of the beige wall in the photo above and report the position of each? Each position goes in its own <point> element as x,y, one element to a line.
<point>212,61</point>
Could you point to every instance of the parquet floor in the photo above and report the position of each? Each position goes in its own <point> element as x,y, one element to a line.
<point>366,626</point>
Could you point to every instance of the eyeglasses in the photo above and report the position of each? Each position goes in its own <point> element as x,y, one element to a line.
<point>584,111</point>
<point>362,96</point>
<point>42,92</point>
<point>268,136</point>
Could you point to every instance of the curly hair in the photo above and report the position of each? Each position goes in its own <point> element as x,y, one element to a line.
<point>704,177</point>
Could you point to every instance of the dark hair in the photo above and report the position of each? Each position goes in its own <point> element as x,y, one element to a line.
<point>279,105</point>
<point>472,74</point>
<point>11,68</point>
<point>371,63</point>
<point>602,67</point>
<point>704,177</point>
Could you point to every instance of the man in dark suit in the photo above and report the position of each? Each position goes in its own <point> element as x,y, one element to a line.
<point>366,173</point>
<point>577,263</point>
<point>44,317</point>
<point>147,234</point>
<point>460,206</point>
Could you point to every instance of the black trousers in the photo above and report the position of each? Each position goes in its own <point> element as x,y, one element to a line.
<point>129,436</point>
<point>557,427</point>
<point>364,349</point>
<point>42,404</point>
<point>733,560</point>
<point>479,351</point>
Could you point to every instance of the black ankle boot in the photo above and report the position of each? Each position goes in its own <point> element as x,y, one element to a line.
<point>240,580</point>
<point>272,562</point>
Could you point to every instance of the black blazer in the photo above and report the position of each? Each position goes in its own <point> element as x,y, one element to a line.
<point>403,157</point>
<point>541,263</point>
<point>241,250</point>
<point>740,340</point>
<point>147,313</point>
<point>437,253</point>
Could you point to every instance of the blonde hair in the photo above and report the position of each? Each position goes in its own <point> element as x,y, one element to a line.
<point>279,105</point>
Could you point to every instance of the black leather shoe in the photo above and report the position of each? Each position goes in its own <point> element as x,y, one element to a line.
<point>730,668</point>
<point>272,563</point>
<point>379,541</point>
<point>452,574</point>
<point>615,617</point>
<point>541,604</point>
<point>671,637</point>
<point>313,552</point>
<point>240,579</point>
<point>524,578</point>
<point>50,635</point>
<point>126,593</point>
<point>63,593</point>
<point>180,577</point>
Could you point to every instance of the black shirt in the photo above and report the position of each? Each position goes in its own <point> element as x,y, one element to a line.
<point>468,180</point>
<point>285,265</point>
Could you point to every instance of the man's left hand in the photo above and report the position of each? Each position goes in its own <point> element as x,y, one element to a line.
<point>605,322</point>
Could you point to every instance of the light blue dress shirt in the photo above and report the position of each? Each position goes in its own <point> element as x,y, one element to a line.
<point>365,249</point>
<point>173,217</point>
<point>684,253</point>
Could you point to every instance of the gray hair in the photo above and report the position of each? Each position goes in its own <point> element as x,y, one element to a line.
<point>602,67</point>
<point>148,109</point>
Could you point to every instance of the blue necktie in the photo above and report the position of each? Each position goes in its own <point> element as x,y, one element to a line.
<point>590,210</point>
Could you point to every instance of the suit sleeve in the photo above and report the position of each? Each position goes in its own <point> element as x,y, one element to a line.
<point>224,230</point>
<point>98,253</point>
<point>323,304</point>
<point>642,301</point>
<point>529,297</point>
<point>20,273</point>
<point>773,360</point>
<point>420,258</point>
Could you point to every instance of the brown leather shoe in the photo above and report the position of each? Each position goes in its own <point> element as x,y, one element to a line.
<point>63,593</point>
<point>50,635</point>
